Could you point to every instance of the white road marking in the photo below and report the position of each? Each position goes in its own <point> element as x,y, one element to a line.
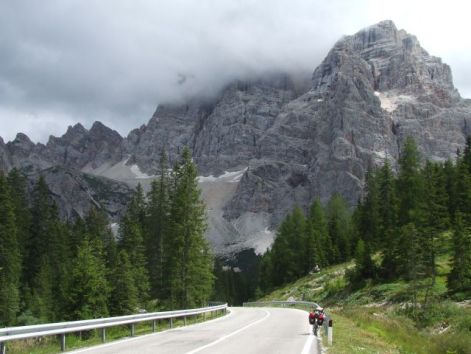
<point>267,314</point>
<point>308,344</point>
<point>121,341</point>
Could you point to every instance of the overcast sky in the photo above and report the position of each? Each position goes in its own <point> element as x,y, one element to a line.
<point>69,61</point>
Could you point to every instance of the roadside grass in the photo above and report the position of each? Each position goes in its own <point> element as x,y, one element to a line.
<point>386,330</point>
<point>375,318</point>
<point>51,344</point>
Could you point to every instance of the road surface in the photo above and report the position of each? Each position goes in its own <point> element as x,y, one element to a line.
<point>242,331</point>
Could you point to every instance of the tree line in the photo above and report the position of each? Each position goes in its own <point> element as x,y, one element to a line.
<point>51,270</point>
<point>398,228</point>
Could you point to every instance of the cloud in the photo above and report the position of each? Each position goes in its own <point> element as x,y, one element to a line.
<point>114,60</point>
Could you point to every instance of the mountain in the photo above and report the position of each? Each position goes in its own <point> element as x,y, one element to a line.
<point>267,144</point>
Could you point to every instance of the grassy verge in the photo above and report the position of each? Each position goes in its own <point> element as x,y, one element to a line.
<point>48,345</point>
<point>375,318</point>
<point>359,329</point>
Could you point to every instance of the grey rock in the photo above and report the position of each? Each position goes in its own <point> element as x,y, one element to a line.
<point>288,138</point>
<point>76,193</point>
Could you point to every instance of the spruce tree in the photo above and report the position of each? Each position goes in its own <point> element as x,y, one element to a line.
<point>282,254</point>
<point>46,262</point>
<point>191,262</point>
<point>89,289</point>
<point>368,209</point>
<point>131,241</point>
<point>388,219</point>
<point>339,219</point>
<point>19,198</point>
<point>10,258</point>
<point>410,187</point>
<point>320,229</point>
<point>459,279</point>
<point>365,268</point>
<point>124,298</point>
<point>298,242</point>
<point>157,230</point>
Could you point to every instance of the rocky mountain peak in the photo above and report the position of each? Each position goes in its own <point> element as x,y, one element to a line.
<point>22,139</point>
<point>389,60</point>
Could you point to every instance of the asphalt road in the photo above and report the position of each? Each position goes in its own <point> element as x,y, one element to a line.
<point>242,331</point>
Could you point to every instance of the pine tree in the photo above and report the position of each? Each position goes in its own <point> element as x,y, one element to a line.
<point>89,289</point>
<point>320,229</point>
<point>410,187</point>
<point>436,215</point>
<point>124,298</point>
<point>131,241</point>
<point>459,279</point>
<point>10,258</point>
<point>365,268</point>
<point>312,248</point>
<point>157,230</point>
<point>283,255</point>
<point>450,173</point>
<point>18,192</point>
<point>463,191</point>
<point>47,258</point>
<point>297,242</point>
<point>191,262</point>
<point>99,233</point>
<point>266,272</point>
<point>369,211</point>
<point>339,227</point>
<point>387,212</point>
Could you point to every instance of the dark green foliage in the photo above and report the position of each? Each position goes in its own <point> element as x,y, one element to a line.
<point>10,258</point>
<point>19,198</point>
<point>410,189</point>
<point>89,289</point>
<point>46,256</point>
<point>459,279</point>
<point>318,223</point>
<point>339,224</point>
<point>131,241</point>
<point>365,268</point>
<point>157,231</point>
<point>401,221</point>
<point>124,293</point>
<point>190,263</point>
<point>52,270</point>
<point>303,245</point>
<point>368,210</point>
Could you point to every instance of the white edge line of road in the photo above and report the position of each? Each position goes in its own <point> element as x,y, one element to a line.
<point>121,341</point>
<point>267,314</point>
<point>308,344</point>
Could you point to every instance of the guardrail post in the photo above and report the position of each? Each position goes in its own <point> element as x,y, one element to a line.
<point>63,342</point>
<point>133,329</point>
<point>330,330</point>
<point>184,320</point>
<point>171,322</point>
<point>103,335</point>
<point>153,325</point>
<point>3,348</point>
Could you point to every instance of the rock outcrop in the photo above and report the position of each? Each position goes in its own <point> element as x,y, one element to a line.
<point>265,145</point>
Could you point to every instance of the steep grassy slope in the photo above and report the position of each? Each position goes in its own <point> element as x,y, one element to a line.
<point>375,318</point>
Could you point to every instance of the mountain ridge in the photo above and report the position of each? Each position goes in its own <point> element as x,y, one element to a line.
<point>291,138</point>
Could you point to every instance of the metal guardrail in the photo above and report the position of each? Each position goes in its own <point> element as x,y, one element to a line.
<point>327,321</point>
<point>62,328</point>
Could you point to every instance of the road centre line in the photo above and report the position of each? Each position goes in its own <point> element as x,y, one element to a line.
<point>267,314</point>
<point>121,341</point>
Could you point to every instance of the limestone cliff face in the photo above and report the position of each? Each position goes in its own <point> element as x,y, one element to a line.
<point>61,162</point>
<point>267,144</point>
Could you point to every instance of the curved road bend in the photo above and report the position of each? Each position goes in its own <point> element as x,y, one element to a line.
<point>243,331</point>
